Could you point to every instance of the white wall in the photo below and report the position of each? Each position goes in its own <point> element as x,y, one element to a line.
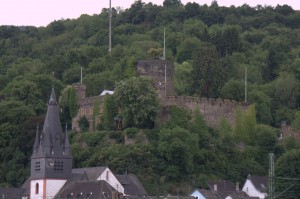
<point>250,190</point>
<point>33,195</point>
<point>110,178</point>
<point>52,188</point>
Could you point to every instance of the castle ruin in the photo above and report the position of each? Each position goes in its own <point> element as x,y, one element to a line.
<point>161,72</point>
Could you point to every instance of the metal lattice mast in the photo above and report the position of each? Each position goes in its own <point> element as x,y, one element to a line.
<point>271,177</point>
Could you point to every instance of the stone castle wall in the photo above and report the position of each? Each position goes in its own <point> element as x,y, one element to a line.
<point>213,110</point>
<point>162,74</point>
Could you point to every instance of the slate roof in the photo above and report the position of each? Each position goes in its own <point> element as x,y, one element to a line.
<point>222,186</point>
<point>212,194</point>
<point>241,195</point>
<point>85,189</point>
<point>208,194</point>
<point>131,184</point>
<point>11,193</point>
<point>259,182</point>
<point>92,173</point>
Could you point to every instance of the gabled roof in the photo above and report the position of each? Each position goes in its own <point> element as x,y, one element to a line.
<point>259,182</point>
<point>222,186</point>
<point>241,195</point>
<point>11,193</point>
<point>92,173</point>
<point>131,184</point>
<point>95,189</point>
<point>208,194</point>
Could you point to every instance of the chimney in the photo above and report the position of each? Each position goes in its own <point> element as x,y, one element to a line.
<point>237,186</point>
<point>215,187</point>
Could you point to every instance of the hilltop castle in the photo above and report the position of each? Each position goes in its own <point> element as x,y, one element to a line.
<point>162,74</point>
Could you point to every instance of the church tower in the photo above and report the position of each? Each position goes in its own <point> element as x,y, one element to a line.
<point>51,160</point>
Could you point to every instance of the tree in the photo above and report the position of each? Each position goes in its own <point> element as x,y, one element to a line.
<point>14,112</point>
<point>207,74</point>
<point>25,91</point>
<point>296,122</point>
<point>286,90</point>
<point>287,175</point>
<point>178,146</point>
<point>110,111</point>
<point>182,78</point>
<point>172,3</point>
<point>138,102</point>
<point>68,104</point>
<point>245,125</point>
<point>234,90</point>
<point>84,124</point>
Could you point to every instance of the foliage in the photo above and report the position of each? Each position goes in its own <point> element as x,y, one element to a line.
<point>287,174</point>
<point>68,105</point>
<point>207,74</point>
<point>110,111</point>
<point>212,45</point>
<point>178,146</point>
<point>245,127</point>
<point>84,124</point>
<point>138,102</point>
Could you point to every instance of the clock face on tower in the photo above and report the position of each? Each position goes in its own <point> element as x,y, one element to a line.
<point>50,163</point>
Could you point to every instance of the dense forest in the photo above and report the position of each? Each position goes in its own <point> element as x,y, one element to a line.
<point>212,48</point>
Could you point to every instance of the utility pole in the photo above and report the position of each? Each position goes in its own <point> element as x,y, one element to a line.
<point>271,177</point>
<point>110,16</point>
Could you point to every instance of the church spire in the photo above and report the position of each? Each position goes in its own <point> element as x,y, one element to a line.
<point>52,154</point>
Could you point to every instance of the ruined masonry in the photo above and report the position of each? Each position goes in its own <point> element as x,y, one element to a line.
<point>162,74</point>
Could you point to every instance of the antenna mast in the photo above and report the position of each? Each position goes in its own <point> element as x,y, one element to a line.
<point>110,16</point>
<point>81,75</point>
<point>164,53</point>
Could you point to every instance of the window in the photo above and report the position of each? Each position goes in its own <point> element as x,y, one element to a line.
<point>37,166</point>
<point>58,166</point>
<point>37,188</point>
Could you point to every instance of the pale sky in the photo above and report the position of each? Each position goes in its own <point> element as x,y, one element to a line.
<point>42,12</point>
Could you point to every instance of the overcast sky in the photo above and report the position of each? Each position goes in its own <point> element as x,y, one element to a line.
<point>42,12</point>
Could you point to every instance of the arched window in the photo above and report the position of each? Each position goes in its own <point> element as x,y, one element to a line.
<point>36,188</point>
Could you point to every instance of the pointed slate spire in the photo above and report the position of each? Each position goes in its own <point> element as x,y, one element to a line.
<point>52,131</point>
<point>51,146</point>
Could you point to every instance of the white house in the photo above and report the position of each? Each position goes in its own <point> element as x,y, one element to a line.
<point>256,186</point>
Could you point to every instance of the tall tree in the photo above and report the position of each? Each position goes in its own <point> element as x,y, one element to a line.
<point>68,104</point>
<point>138,102</point>
<point>207,74</point>
<point>110,111</point>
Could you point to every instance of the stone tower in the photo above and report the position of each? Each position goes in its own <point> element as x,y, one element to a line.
<point>51,160</point>
<point>80,91</point>
<point>161,72</point>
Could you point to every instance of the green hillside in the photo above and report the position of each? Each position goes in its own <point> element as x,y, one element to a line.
<point>211,47</point>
